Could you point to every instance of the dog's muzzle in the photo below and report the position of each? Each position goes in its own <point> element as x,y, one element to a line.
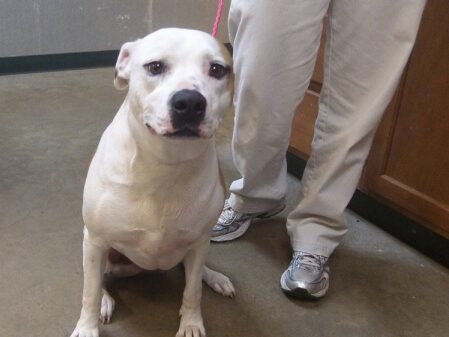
<point>187,111</point>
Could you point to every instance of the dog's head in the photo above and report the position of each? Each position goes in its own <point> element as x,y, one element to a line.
<point>180,82</point>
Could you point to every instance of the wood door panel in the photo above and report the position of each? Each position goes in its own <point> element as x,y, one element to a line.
<point>411,202</point>
<point>409,161</point>
<point>419,156</point>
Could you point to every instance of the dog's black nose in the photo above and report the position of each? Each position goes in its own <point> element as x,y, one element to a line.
<point>187,108</point>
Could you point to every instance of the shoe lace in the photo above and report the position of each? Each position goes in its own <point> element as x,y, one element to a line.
<point>307,261</point>
<point>227,214</point>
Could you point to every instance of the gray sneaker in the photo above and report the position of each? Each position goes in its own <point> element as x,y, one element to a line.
<point>307,276</point>
<point>232,224</point>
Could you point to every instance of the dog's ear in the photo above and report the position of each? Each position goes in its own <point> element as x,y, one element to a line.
<point>123,66</point>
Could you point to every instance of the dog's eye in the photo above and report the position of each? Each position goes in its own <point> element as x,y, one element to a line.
<point>218,71</point>
<point>155,68</point>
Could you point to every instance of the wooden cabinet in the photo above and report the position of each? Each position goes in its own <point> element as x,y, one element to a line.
<point>408,167</point>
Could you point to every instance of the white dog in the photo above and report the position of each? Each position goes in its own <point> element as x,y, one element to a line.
<point>153,189</point>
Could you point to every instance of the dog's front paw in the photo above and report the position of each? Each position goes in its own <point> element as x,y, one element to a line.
<point>82,330</point>
<point>218,282</point>
<point>191,330</point>
<point>191,324</point>
<point>224,286</point>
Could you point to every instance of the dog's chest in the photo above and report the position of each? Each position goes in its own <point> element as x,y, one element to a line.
<point>154,230</point>
<point>153,250</point>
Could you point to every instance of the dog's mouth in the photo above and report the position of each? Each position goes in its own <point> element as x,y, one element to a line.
<point>189,133</point>
<point>181,133</point>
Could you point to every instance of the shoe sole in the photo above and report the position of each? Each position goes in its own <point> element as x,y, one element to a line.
<point>301,293</point>
<point>244,227</point>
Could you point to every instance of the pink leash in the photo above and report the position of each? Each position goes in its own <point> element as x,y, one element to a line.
<point>218,17</point>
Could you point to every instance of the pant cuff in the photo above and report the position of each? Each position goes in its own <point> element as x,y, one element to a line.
<point>245,205</point>
<point>313,248</point>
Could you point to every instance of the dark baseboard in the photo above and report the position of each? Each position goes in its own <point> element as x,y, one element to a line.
<point>400,226</point>
<point>54,62</point>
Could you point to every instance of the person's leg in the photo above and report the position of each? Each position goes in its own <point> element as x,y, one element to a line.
<point>369,43</point>
<point>274,47</point>
<point>275,44</point>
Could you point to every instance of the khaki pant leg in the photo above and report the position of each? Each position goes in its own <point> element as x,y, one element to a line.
<point>275,44</point>
<point>369,43</point>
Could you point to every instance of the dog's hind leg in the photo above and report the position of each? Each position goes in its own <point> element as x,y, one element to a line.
<point>117,265</point>
<point>107,307</point>
<point>218,282</point>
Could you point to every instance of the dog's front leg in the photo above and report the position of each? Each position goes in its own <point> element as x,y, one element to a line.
<point>191,318</point>
<point>94,260</point>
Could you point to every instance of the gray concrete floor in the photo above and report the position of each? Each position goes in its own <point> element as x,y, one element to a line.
<point>50,125</point>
